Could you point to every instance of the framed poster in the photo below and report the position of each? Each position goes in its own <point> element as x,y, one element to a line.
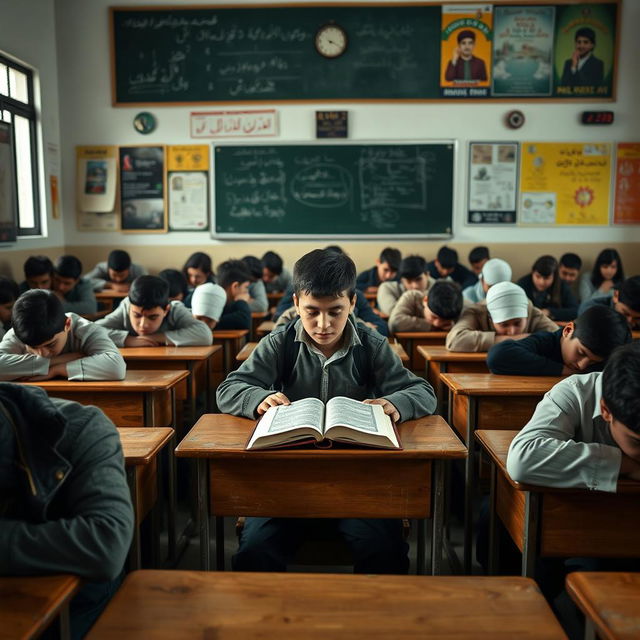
<point>627,185</point>
<point>8,199</point>
<point>188,185</point>
<point>493,183</point>
<point>96,180</point>
<point>142,189</point>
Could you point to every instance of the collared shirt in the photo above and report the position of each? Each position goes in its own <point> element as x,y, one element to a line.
<point>567,442</point>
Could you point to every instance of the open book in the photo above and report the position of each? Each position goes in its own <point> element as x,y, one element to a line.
<point>309,420</point>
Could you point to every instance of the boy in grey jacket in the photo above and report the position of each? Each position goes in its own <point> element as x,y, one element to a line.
<point>146,318</point>
<point>117,273</point>
<point>45,343</point>
<point>325,365</point>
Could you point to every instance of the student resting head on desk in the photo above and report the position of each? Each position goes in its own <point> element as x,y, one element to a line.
<point>493,272</point>
<point>447,267</point>
<point>117,273</point>
<point>38,273</point>
<point>580,346</point>
<point>385,268</point>
<point>413,277</point>
<point>178,288</point>
<point>234,278</point>
<point>208,302</point>
<point>64,502</point>
<point>274,275</point>
<point>257,293</point>
<point>146,318</point>
<point>625,300</point>
<point>321,346</point>
<point>75,292</point>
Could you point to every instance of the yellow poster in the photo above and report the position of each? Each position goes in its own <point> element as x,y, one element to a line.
<point>188,157</point>
<point>565,183</point>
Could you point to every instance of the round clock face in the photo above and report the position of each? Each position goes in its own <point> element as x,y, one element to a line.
<point>331,41</point>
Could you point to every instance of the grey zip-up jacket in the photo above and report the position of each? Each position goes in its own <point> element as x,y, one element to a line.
<point>179,326</point>
<point>81,298</point>
<point>315,376</point>
<point>99,275</point>
<point>102,362</point>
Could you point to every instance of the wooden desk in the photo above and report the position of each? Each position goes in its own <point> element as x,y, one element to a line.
<point>291,483</point>
<point>109,296</point>
<point>246,351</point>
<point>635,335</point>
<point>609,602</point>
<point>198,361</point>
<point>411,340</point>
<point>263,328</point>
<point>28,605</point>
<point>257,317</point>
<point>232,341</point>
<point>274,297</point>
<point>140,448</point>
<point>547,522</point>
<point>488,401</point>
<point>284,606</point>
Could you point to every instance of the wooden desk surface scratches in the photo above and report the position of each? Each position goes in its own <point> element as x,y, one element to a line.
<point>489,384</point>
<point>140,445</point>
<point>169,353</point>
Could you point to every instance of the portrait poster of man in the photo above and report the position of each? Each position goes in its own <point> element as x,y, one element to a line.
<point>585,50</point>
<point>465,53</point>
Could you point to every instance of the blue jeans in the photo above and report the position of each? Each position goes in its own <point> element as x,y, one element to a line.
<point>376,545</point>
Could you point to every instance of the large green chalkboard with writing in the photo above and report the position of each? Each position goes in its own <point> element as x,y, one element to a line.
<point>375,190</point>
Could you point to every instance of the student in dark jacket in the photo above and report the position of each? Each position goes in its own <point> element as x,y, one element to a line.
<point>548,292</point>
<point>38,273</point>
<point>446,265</point>
<point>75,292</point>
<point>385,268</point>
<point>625,300</point>
<point>234,278</point>
<point>582,346</point>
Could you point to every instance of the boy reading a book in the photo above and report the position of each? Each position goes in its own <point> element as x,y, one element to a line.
<point>317,356</point>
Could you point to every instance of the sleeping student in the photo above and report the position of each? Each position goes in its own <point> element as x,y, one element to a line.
<point>234,278</point>
<point>493,271</point>
<point>38,273</point>
<point>607,274</point>
<point>625,300</point>
<point>385,268</point>
<point>178,289</point>
<point>413,276</point>
<point>117,273</point>
<point>197,270</point>
<point>208,302</point>
<point>477,258</point>
<point>75,292</point>
<point>275,276</point>
<point>257,293</point>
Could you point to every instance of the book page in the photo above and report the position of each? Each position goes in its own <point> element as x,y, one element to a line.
<point>301,413</point>
<point>357,415</point>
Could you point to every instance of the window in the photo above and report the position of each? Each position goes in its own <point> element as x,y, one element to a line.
<point>17,107</point>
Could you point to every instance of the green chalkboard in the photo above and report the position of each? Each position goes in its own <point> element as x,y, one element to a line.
<point>375,190</point>
<point>211,54</point>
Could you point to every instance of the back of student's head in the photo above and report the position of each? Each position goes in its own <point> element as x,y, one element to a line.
<point>37,316</point>
<point>254,266</point>
<point>335,248</point>
<point>119,260</point>
<point>478,254</point>
<point>606,257</point>
<point>545,266</point>
<point>412,267</point>
<point>447,257</point>
<point>198,260</point>
<point>324,273</point>
<point>176,281</point>
<point>629,293</point>
<point>392,257</point>
<point>445,300</point>
<point>9,291</point>
<point>149,292</point>
<point>621,385</point>
<point>68,267</point>
<point>37,266</point>
<point>231,271</point>
<point>272,261</point>
<point>601,329</point>
<point>571,261</point>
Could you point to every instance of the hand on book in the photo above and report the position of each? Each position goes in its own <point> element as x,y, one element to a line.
<point>389,407</point>
<point>273,401</point>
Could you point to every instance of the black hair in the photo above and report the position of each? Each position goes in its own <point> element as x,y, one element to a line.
<point>586,32</point>
<point>324,273</point>
<point>466,33</point>
<point>629,293</point>
<point>621,385</point>
<point>198,260</point>
<point>37,266</point>
<point>445,300</point>
<point>272,261</point>
<point>448,258</point>
<point>68,267</point>
<point>9,290</point>
<point>571,261</point>
<point>601,329</point>
<point>149,292</point>
<point>335,248</point>
<point>37,316</point>
<point>392,257</point>
<point>606,256</point>
<point>477,254</point>
<point>254,267</point>
<point>119,260</point>
<point>546,266</point>
<point>176,281</point>
<point>231,271</point>
<point>412,267</point>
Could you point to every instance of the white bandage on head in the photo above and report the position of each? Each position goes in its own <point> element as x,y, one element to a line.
<point>496,270</point>
<point>506,301</point>
<point>208,300</point>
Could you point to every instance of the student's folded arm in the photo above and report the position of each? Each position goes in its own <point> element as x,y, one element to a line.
<point>544,453</point>
<point>517,358</point>
<point>103,360</point>
<point>16,363</point>
<point>403,318</point>
<point>385,298</point>
<point>115,324</point>
<point>465,337</point>
<point>187,331</point>
<point>259,301</point>
<point>86,302</point>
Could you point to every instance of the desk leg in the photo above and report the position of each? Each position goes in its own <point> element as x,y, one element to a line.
<point>530,533</point>
<point>438,517</point>
<point>134,551</point>
<point>172,501</point>
<point>191,396</point>
<point>493,522</point>
<point>450,409</point>
<point>468,485</point>
<point>65,627</point>
<point>442,410</point>
<point>220,543</point>
<point>420,556</point>
<point>208,377</point>
<point>149,414</point>
<point>203,513</point>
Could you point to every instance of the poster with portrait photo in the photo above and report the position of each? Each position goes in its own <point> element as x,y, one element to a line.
<point>142,189</point>
<point>585,44</point>
<point>8,201</point>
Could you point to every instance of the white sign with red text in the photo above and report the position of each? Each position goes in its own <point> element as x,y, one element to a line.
<point>234,124</point>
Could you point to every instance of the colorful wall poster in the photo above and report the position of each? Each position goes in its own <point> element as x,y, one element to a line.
<point>565,183</point>
<point>142,187</point>
<point>522,51</point>
<point>585,50</point>
<point>465,51</point>
<point>627,187</point>
<point>8,200</point>
<point>96,179</point>
<point>492,185</point>
<point>188,185</point>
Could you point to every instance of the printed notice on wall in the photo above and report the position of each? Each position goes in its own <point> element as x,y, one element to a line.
<point>627,204</point>
<point>188,183</point>
<point>96,179</point>
<point>565,183</point>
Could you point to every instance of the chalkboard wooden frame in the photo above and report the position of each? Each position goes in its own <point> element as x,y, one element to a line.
<point>449,145</point>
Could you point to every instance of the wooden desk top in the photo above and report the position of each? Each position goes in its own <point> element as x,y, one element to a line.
<point>371,293</point>
<point>398,349</point>
<point>29,604</point>
<point>489,384</point>
<point>283,606</point>
<point>414,335</point>
<point>169,353</point>
<point>260,314</point>
<point>222,435</point>
<point>111,294</point>
<point>635,335</point>
<point>610,600</point>
<point>266,326</point>
<point>140,446</point>
<point>229,334</point>
<point>141,380</point>
<point>246,351</point>
<point>440,353</point>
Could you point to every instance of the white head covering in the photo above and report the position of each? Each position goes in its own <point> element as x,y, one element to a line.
<point>506,300</point>
<point>496,270</point>
<point>208,300</point>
